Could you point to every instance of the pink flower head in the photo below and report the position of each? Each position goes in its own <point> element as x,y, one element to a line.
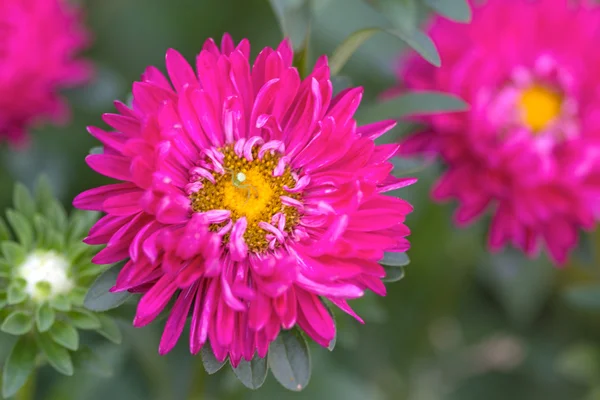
<point>39,40</point>
<point>248,195</point>
<point>529,148</point>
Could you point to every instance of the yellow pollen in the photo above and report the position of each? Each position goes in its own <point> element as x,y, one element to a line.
<point>249,189</point>
<point>539,105</point>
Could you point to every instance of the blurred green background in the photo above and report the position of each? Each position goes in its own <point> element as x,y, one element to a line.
<point>461,325</point>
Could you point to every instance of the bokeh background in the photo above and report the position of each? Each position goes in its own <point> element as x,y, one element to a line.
<point>461,325</point>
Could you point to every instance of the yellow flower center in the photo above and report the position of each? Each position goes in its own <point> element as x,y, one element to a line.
<point>249,189</point>
<point>539,106</point>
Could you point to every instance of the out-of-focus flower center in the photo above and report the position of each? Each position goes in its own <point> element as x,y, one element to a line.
<point>539,106</point>
<point>46,275</point>
<point>249,189</point>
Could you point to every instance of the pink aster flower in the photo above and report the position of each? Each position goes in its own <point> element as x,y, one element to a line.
<point>248,196</point>
<point>529,148</point>
<point>39,40</point>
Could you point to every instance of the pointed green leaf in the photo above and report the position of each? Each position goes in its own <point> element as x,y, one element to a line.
<point>109,329</point>
<point>16,294</point>
<point>80,223</point>
<point>57,215</point>
<point>413,103</point>
<point>402,13</point>
<point>65,335</point>
<point>43,192</point>
<point>348,47</point>
<point>455,10</point>
<point>395,259</point>
<point>57,355</point>
<point>23,201</point>
<point>13,253</point>
<point>44,317</point>
<point>61,303</point>
<point>97,150</point>
<point>252,374</point>
<point>17,323</point>
<point>41,231</point>
<point>99,298</point>
<point>77,296</point>
<point>211,364</point>
<point>289,359</point>
<point>84,319</point>
<point>19,366</point>
<point>21,227</point>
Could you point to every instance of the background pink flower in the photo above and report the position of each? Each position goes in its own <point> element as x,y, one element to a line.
<point>39,40</point>
<point>248,195</point>
<point>529,148</point>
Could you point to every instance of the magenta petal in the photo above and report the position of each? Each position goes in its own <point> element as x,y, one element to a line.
<point>176,321</point>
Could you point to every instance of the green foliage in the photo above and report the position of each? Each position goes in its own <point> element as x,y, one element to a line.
<point>99,298</point>
<point>289,360</point>
<point>38,226</point>
<point>252,374</point>
<point>18,366</point>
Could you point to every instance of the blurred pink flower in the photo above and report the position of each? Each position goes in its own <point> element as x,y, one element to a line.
<point>529,148</point>
<point>249,195</point>
<point>39,40</point>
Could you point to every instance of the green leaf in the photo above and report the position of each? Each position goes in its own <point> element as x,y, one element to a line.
<point>16,294</point>
<point>402,13</point>
<point>77,295</point>
<point>21,227</point>
<point>19,366</point>
<point>99,298</point>
<point>17,323</point>
<point>393,274</point>
<point>4,232</point>
<point>80,223</point>
<point>3,300</point>
<point>97,150</point>
<point>13,253</point>
<point>455,10</point>
<point>584,296</point>
<point>289,359</point>
<point>414,103</point>
<point>109,329</point>
<point>252,374</point>
<point>211,364</point>
<point>43,192</point>
<point>293,17</point>
<point>84,319</point>
<point>61,303</point>
<point>395,259</point>
<point>44,317</point>
<point>344,51</point>
<point>23,201</point>
<point>57,215</point>
<point>57,355</point>
<point>65,335</point>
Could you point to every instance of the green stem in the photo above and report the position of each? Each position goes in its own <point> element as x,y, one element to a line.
<point>27,392</point>
<point>198,377</point>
